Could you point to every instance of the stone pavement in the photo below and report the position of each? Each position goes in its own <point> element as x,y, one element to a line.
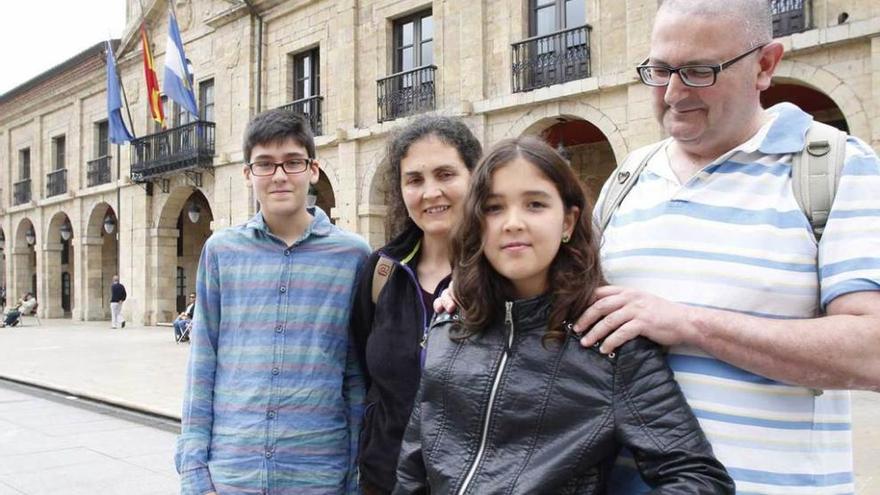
<point>143,369</point>
<point>52,444</point>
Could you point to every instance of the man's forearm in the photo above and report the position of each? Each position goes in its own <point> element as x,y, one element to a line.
<point>832,352</point>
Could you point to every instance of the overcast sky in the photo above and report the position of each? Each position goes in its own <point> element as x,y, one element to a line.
<point>36,35</point>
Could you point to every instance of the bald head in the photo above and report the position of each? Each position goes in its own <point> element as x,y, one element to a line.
<point>753,15</point>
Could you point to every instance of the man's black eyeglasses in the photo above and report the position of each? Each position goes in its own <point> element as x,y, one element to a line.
<point>292,166</point>
<point>695,76</point>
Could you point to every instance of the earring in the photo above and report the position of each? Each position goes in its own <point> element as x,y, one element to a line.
<point>565,238</point>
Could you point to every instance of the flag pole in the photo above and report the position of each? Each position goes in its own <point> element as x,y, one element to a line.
<point>122,87</point>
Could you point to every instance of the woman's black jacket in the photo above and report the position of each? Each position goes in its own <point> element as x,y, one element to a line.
<point>499,413</point>
<point>388,336</point>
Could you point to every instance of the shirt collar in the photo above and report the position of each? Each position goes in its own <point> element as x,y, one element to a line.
<point>784,133</point>
<point>319,226</point>
<point>788,132</point>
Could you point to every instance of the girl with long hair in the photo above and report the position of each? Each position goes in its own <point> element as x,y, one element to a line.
<point>509,402</point>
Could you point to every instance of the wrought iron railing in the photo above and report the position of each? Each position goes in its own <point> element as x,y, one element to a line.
<point>56,182</point>
<point>21,192</point>
<point>406,93</point>
<point>175,150</point>
<point>98,171</point>
<point>310,108</point>
<point>789,16</point>
<point>551,59</point>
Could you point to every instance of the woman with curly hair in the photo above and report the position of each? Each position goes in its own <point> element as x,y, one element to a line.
<point>429,164</point>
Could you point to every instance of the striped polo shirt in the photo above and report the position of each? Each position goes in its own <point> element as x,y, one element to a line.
<point>734,238</point>
<point>274,395</point>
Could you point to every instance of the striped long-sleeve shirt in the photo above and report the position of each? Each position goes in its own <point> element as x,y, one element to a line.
<point>274,394</point>
<point>733,237</point>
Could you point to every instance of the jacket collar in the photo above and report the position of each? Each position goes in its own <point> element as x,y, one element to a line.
<point>533,312</point>
<point>405,246</point>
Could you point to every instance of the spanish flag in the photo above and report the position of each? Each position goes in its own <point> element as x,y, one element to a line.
<point>153,99</point>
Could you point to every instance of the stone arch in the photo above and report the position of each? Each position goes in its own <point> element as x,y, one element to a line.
<point>587,148</point>
<point>847,100</point>
<point>373,185</point>
<point>536,120</point>
<point>373,201</point>
<point>58,269</point>
<point>170,208</point>
<point>176,244</point>
<point>325,195</point>
<point>24,261</point>
<point>100,255</point>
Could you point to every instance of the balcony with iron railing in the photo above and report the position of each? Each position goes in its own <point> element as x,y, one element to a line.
<point>406,93</point>
<point>56,182</point>
<point>790,16</point>
<point>310,109</point>
<point>180,149</point>
<point>98,171</point>
<point>21,192</point>
<point>551,59</point>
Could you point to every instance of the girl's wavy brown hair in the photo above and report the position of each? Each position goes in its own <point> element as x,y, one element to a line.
<point>574,272</point>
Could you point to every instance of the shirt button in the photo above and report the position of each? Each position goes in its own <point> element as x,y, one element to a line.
<point>268,454</point>
<point>278,329</point>
<point>283,289</point>
<point>275,371</point>
<point>271,415</point>
<point>287,252</point>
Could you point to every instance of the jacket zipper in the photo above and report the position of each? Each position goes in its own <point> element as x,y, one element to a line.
<point>508,321</point>
<point>424,340</point>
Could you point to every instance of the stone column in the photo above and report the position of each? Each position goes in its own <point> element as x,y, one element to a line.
<point>51,276</point>
<point>371,224</point>
<point>21,275</point>
<point>163,270</point>
<point>94,300</point>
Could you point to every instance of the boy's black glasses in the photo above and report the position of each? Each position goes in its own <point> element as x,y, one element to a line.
<point>695,76</point>
<point>292,166</point>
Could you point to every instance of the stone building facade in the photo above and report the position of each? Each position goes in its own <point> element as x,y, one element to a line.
<point>562,69</point>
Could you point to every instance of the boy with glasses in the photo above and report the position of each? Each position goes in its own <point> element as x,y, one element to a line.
<point>274,394</point>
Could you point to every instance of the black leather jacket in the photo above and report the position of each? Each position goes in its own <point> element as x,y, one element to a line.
<point>501,413</point>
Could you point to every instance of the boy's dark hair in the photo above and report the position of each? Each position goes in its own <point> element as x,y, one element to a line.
<point>447,130</point>
<point>574,272</point>
<point>276,126</point>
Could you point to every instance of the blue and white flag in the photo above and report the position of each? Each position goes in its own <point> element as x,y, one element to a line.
<point>178,80</point>
<point>118,132</point>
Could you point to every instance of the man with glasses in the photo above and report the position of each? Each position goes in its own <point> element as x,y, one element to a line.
<point>183,319</point>
<point>710,254</point>
<point>274,394</point>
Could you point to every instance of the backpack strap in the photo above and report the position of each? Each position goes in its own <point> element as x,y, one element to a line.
<point>815,173</point>
<point>625,179</point>
<point>384,267</point>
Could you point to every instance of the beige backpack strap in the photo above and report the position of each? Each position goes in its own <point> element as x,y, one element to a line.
<point>815,173</point>
<point>623,179</point>
<point>384,267</point>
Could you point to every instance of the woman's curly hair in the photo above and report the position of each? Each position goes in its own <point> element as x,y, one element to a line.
<point>448,130</point>
<point>574,272</point>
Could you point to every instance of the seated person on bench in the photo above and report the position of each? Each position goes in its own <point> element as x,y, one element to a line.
<point>25,306</point>
<point>184,318</point>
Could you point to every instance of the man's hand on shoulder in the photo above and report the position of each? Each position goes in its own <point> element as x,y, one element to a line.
<point>446,302</point>
<point>618,314</point>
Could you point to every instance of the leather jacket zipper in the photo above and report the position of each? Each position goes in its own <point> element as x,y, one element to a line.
<point>508,321</point>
